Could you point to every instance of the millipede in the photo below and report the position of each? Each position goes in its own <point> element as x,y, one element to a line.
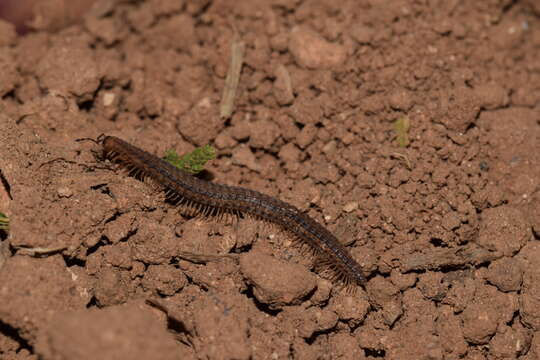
<point>216,200</point>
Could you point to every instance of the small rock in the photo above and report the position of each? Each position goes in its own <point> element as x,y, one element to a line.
<point>400,99</point>
<point>165,279</point>
<point>263,133</point>
<point>506,274</point>
<point>221,326</point>
<point>330,148</point>
<point>325,319</point>
<point>432,286</point>
<point>449,327</point>
<point>279,42</point>
<point>315,320</point>
<point>311,51</point>
<point>350,206</point>
<point>275,282</point>
<point>486,312</point>
<point>391,311</point>
<point>529,309</point>
<point>491,96</point>
<point>323,292</point>
<point>535,343</point>
<point>479,323</point>
<point>120,228</point>
<point>106,29</point>
<point>110,288</point>
<point>344,346</point>
<point>350,308</point>
<point>382,290</point>
<point>325,173</point>
<point>118,255</point>
<point>108,98</point>
<point>504,229</point>
<point>224,140</point>
<point>289,153</point>
<point>283,91</point>
<point>509,343</point>
<point>153,243</point>
<point>362,34</point>
<point>451,221</point>
<point>306,136</point>
<point>69,67</point>
<point>402,281</point>
<point>243,156</point>
<point>64,192</point>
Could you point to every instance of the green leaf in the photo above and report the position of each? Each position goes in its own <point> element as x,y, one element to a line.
<point>4,222</point>
<point>401,127</point>
<point>194,161</point>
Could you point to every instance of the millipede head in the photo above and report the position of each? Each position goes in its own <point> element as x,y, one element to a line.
<point>101,154</point>
<point>98,140</point>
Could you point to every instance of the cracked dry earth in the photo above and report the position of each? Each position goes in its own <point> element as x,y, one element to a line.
<point>96,265</point>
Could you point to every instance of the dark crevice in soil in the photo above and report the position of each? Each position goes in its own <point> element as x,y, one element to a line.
<point>102,241</point>
<point>113,217</point>
<point>72,261</point>
<point>173,324</point>
<point>311,340</point>
<point>260,306</point>
<point>509,6</point>
<point>103,188</point>
<point>6,185</point>
<point>10,95</point>
<point>92,303</point>
<point>87,105</point>
<point>128,235</point>
<point>242,249</point>
<point>437,243</point>
<point>176,326</point>
<point>13,333</point>
<point>375,353</point>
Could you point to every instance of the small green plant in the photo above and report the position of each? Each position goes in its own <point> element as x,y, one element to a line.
<point>4,222</point>
<point>401,127</point>
<point>192,162</point>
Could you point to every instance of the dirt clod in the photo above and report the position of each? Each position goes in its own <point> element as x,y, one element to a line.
<point>504,229</point>
<point>275,282</point>
<point>310,50</point>
<point>33,290</point>
<point>129,330</point>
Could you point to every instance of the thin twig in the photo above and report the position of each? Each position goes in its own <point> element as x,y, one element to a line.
<point>233,77</point>
<point>40,251</point>
<point>202,258</point>
<point>404,157</point>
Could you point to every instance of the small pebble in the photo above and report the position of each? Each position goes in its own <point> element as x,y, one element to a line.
<point>350,206</point>
<point>310,50</point>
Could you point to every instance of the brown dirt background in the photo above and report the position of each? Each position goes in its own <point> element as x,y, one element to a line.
<point>97,266</point>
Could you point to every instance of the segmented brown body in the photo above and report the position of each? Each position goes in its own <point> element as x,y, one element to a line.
<point>215,199</point>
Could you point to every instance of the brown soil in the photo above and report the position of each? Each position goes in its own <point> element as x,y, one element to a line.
<point>97,266</point>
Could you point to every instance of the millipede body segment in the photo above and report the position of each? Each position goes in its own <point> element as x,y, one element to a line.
<point>213,199</point>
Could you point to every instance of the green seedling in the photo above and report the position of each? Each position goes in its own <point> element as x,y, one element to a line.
<point>192,162</point>
<point>4,222</point>
<point>401,127</point>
